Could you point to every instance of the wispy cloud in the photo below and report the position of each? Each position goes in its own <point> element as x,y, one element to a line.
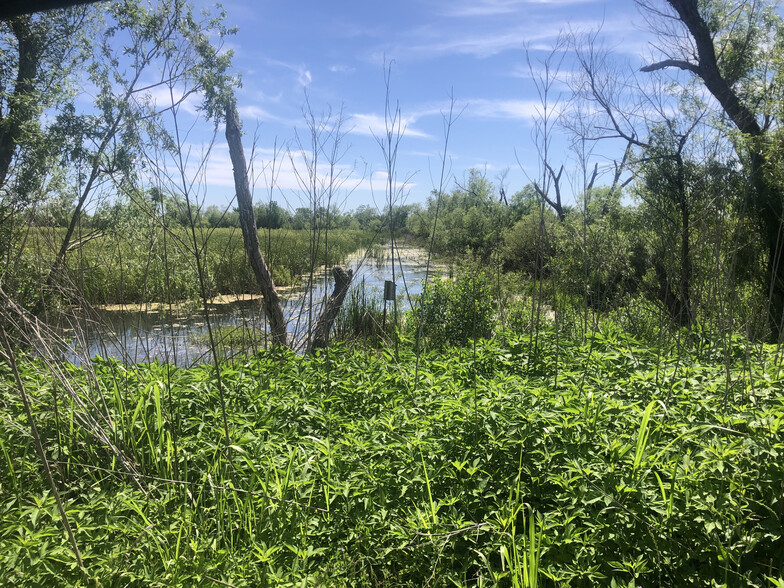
<point>524,110</point>
<point>254,112</point>
<point>160,97</point>
<point>375,125</point>
<point>304,77</point>
<point>480,8</point>
<point>480,41</point>
<point>342,69</point>
<point>217,174</point>
<point>488,37</point>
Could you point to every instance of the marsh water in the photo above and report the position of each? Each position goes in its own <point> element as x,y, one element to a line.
<point>179,334</point>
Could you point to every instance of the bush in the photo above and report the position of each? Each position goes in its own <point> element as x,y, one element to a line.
<point>602,264</point>
<point>454,312</point>
<point>528,245</point>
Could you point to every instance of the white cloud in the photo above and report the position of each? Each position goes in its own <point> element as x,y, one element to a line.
<point>161,97</point>
<point>530,27</point>
<point>304,78</point>
<point>478,45</point>
<point>479,41</point>
<point>342,69</point>
<point>479,8</point>
<point>378,183</point>
<point>525,110</point>
<point>255,112</point>
<point>291,170</point>
<point>375,125</point>
<point>484,167</point>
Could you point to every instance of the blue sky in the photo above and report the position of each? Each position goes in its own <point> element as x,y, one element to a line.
<point>334,53</point>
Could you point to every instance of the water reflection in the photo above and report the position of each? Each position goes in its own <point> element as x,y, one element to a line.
<point>181,336</point>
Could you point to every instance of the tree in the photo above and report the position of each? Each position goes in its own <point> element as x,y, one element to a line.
<point>545,80</point>
<point>524,202</point>
<point>13,8</point>
<point>250,236</point>
<point>271,299</point>
<point>666,187</point>
<point>661,125</point>
<point>303,219</point>
<point>271,215</point>
<point>34,76</point>
<point>37,56</point>
<point>732,49</point>
<point>368,218</point>
<point>112,140</point>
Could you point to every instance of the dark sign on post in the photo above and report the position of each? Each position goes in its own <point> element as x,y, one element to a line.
<point>389,294</point>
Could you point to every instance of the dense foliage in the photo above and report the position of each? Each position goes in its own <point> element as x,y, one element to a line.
<point>140,262</point>
<point>587,401</point>
<point>629,465</point>
<point>453,312</point>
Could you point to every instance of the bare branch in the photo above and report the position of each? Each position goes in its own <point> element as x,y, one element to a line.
<point>679,63</point>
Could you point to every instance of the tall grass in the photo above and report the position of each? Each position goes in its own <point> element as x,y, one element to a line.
<point>363,318</point>
<point>131,265</point>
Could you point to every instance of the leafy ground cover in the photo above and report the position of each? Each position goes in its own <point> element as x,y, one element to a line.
<point>532,461</point>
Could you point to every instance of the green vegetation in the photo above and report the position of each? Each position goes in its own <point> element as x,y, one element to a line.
<point>362,319</point>
<point>137,262</point>
<point>594,398</point>
<point>453,312</point>
<point>606,462</point>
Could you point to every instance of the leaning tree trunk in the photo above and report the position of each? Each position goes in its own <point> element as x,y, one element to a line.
<point>20,111</point>
<point>250,237</point>
<point>330,311</point>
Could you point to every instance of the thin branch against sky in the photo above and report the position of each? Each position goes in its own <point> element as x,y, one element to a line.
<point>472,51</point>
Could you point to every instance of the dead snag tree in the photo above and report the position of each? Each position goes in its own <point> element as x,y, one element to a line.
<point>271,300</point>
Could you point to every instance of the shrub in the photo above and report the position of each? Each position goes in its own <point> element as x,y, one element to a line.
<point>528,245</point>
<point>454,312</point>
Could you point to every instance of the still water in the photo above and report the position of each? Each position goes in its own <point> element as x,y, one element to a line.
<point>181,336</point>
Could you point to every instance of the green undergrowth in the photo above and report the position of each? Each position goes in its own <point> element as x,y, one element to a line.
<point>520,462</point>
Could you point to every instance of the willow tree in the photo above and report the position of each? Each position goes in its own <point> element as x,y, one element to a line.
<point>38,54</point>
<point>736,50</point>
<point>142,48</point>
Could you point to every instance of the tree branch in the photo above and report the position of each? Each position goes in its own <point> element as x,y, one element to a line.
<point>679,63</point>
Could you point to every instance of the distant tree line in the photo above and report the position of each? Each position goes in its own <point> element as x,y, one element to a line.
<point>269,215</point>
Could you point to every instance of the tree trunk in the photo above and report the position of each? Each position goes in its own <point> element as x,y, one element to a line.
<point>768,195</point>
<point>686,317</point>
<point>250,237</point>
<point>676,309</point>
<point>19,109</point>
<point>330,311</point>
<point>65,246</point>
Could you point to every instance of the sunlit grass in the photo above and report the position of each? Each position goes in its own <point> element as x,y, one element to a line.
<point>629,465</point>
